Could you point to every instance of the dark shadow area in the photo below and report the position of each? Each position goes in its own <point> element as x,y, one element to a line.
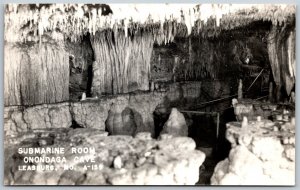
<point>81,68</point>
<point>75,125</point>
<point>159,121</point>
<point>202,129</point>
<point>224,145</point>
<point>89,70</point>
<point>89,80</point>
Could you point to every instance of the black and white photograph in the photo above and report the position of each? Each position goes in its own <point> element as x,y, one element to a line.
<point>149,94</point>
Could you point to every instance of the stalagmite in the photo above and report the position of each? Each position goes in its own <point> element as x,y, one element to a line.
<point>176,124</point>
<point>118,162</point>
<point>292,97</point>
<point>258,118</point>
<point>83,97</point>
<point>240,89</point>
<point>152,86</point>
<point>244,122</point>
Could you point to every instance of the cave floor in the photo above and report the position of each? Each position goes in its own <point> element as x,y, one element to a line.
<point>118,160</point>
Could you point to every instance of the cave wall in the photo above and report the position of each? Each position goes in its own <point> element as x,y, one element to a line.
<point>114,111</point>
<point>191,94</point>
<point>87,114</point>
<point>186,59</point>
<point>35,73</point>
<point>205,69</point>
<point>209,69</point>
<point>97,113</point>
<point>222,57</point>
<point>125,64</point>
<point>21,119</point>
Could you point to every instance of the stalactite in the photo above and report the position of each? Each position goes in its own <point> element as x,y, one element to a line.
<point>75,19</point>
<point>281,50</point>
<point>203,60</point>
<point>122,63</point>
<point>35,74</point>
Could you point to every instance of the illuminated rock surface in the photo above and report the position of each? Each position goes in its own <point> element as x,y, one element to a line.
<point>176,124</point>
<point>120,160</point>
<point>263,153</point>
<point>252,109</point>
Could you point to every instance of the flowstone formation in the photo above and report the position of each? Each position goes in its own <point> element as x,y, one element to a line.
<point>121,122</point>
<point>118,160</point>
<point>263,152</point>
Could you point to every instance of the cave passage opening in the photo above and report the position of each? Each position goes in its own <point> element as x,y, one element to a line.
<point>81,69</point>
<point>235,54</point>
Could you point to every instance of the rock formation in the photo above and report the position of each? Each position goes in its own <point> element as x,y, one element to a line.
<point>119,159</point>
<point>120,122</point>
<point>176,124</point>
<point>263,153</point>
<point>134,109</point>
